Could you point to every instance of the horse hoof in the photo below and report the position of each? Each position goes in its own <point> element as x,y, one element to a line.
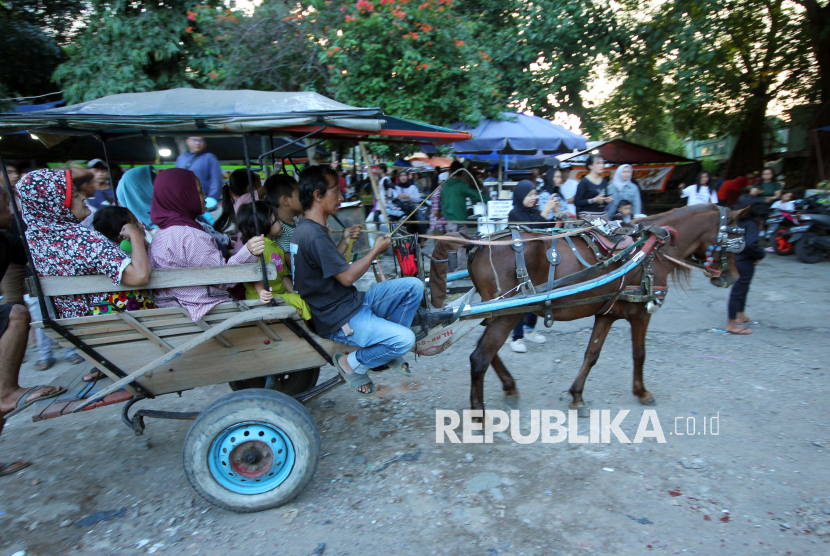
<point>651,400</point>
<point>512,401</point>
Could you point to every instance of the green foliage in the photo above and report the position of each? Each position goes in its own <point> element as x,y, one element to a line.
<point>28,31</point>
<point>708,63</point>
<point>413,58</point>
<point>545,52</point>
<point>135,46</point>
<point>274,49</point>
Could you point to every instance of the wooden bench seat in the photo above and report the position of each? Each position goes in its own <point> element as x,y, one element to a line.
<point>133,339</point>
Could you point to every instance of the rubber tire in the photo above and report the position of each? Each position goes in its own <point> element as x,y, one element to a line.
<point>298,382</point>
<point>775,246</point>
<point>807,254</point>
<point>259,405</point>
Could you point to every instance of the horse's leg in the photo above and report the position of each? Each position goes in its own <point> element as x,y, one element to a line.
<point>486,351</point>
<point>602,324</point>
<point>507,382</point>
<point>639,326</point>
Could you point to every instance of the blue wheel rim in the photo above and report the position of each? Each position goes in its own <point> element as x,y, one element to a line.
<point>263,442</point>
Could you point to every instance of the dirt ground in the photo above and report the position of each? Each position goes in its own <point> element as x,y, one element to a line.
<point>758,487</point>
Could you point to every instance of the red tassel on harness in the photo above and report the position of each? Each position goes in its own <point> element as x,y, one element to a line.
<point>405,253</point>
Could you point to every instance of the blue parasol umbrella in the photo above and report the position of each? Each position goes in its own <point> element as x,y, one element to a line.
<point>518,134</point>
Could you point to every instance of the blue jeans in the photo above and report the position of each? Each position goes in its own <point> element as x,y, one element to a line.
<point>381,325</point>
<point>527,324</point>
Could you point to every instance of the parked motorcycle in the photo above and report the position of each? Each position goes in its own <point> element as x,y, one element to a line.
<point>811,237</point>
<point>779,231</point>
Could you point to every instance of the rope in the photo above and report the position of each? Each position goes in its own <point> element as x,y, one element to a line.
<point>707,273</point>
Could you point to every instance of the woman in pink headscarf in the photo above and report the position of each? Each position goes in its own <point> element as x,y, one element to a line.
<point>182,243</point>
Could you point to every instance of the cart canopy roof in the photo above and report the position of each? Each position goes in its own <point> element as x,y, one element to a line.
<point>216,112</point>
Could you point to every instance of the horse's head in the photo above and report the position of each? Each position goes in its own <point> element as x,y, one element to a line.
<point>717,244</point>
<point>706,236</point>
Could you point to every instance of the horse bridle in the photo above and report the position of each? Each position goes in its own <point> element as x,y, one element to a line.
<point>723,243</point>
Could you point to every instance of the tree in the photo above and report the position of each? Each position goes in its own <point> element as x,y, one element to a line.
<point>136,46</point>
<point>544,52</point>
<point>28,31</point>
<point>818,31</point>
<point>721,63</point>
<point>274,49</point>
<point>416,61</point>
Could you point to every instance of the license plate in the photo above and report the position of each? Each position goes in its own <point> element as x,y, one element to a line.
<point>799,229</point>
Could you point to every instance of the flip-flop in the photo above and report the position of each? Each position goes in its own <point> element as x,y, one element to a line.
<point>101,375</point>
<point>399,364</point>
<point>354,380</point>
<point>22,404</point>
<point>742,332</point>
<point>5,467</point>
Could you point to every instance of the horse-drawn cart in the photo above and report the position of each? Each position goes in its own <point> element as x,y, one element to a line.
<point>256,447</point>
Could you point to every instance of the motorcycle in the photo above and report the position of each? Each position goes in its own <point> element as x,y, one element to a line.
<point>779,231</point>
<point>811,237</point>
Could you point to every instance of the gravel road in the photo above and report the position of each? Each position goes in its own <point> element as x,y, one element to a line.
<point>760,486</point>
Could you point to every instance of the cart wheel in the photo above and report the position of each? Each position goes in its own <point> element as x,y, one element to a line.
<point>291,384</point>
<point>252,450</point>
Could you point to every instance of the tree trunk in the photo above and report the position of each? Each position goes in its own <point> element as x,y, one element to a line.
<point>748,154</point>
<point>819,28</point>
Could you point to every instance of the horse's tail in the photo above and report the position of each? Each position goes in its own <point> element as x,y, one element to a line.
<point>438,271</point>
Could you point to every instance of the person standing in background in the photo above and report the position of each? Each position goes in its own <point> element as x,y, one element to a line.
<point>772,189</point>
<point>701,192</point>
<point>592,197</point>
<point>204,164</point>
<point>567,190</point>
<point>745,261</point>
<point>623,188</point>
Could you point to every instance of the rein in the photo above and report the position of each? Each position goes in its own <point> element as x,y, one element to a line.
<point>456,239</point>
<point>722,244</point>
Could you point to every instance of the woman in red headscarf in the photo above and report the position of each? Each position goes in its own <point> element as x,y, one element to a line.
<point>182,243</point>
<point>60,246</point>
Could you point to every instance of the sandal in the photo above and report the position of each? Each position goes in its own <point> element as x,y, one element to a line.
<point>22,404</point>
<point>94,376</point>
<point>741,332</point>
<point>354,380</point>
<point>400,365</point>
<point>10,469</point>
<point>44,364</point>
<point>75,359</point>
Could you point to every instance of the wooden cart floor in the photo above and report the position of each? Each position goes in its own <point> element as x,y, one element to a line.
<point>76,391</point>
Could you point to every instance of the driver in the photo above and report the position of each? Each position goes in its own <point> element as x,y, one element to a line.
<point>376,321</point>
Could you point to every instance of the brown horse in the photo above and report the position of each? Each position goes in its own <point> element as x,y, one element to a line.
<point>697,230</point>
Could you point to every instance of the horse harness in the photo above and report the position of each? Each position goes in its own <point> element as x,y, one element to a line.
<point>645,292</point>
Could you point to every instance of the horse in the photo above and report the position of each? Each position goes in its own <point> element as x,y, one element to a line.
<point>701,234</point>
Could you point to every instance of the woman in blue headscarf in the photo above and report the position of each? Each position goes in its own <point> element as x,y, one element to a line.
<point>135,191</point>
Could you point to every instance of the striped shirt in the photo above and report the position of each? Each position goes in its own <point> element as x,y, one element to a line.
<point>185,247</point>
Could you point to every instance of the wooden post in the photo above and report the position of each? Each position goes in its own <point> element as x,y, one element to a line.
<point>373,180</point>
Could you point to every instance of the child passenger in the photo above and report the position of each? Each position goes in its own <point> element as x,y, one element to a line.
<point>269,224</point>
<point>182,243</point>
<point>623,212</point>
<point>282,192</point>
<point>111,222</point>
